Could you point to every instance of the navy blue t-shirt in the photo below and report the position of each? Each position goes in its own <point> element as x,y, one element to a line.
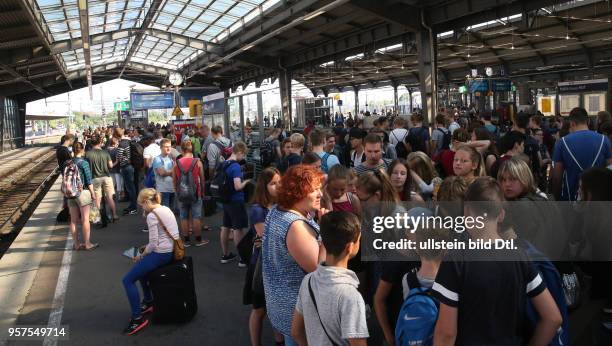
<point>233,171</point>
<point>257,214</point>
<point>588,149</point>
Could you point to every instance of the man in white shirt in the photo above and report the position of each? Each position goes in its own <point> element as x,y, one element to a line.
<point>399,133</point>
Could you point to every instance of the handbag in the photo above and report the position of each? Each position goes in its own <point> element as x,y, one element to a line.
<point>257,285</point>
<point>179,248</point>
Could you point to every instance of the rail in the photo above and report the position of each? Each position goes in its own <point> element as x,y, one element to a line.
<point>22,193</point>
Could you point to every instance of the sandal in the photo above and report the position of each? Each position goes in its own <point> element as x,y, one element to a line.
<point>93,247</point>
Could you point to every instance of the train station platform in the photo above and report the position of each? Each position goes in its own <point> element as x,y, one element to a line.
<point>45,283</point>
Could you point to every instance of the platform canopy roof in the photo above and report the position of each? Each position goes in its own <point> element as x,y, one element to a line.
<point>51,46</point>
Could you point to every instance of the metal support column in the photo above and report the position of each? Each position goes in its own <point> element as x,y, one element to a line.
<point>525,94</point>
<point>426,48</point>
<point>2,116</point>
<point>226,117</point>
<point>395,100</point>
<point>409,100</point>
<point>284,83</point>
<point>241,111</point>
<point>356,101</point>
<point>262,134</point>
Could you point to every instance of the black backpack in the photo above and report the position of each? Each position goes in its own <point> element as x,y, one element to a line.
<point>220,188</point>
<point>446,139</point>
<point>267,154</point>
<point>136,155</point>
<point>401,149</point>
<point>415,139</point>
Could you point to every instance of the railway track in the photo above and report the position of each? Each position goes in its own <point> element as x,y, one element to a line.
<point>25,176</point>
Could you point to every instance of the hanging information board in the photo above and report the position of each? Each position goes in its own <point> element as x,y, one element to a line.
<point>152,100</point>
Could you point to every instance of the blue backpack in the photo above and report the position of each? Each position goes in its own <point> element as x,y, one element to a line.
<point>324,167</point>
<point>552,278</point>
<point>149,180</point>
<point>417,317</point>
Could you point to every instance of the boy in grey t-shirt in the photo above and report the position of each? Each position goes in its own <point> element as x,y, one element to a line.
<point>329,309</point>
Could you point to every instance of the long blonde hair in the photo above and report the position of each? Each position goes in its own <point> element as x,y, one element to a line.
<point>421,164</point>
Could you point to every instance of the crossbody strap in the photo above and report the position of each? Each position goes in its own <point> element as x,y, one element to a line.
<point>314,301</point>
<point>162,224</point>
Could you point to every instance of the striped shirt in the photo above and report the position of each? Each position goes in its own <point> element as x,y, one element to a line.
<point>123,152</point>
<point>362,168</point>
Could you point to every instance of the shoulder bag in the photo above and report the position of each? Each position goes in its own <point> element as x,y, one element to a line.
<point>179,247</point>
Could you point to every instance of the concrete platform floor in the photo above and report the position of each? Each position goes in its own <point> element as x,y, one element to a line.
<point>95,306</point>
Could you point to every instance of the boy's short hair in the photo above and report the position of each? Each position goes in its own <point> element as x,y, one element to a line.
<point>485,196</point>
<point>339,228</point>
<point>217,130</point>
<point>578,115</point>
<point>372,138</point>
<point>317,137</point>
<point>441,119</point>
<point>240,147</point>
<point>165,141</point>
<point>508,141</point>
<point>297,140</point>
<point>310,158</point>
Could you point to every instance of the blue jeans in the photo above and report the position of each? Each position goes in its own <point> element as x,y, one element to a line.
<point>167,199</point>
<point>139,272</point>
<point>128,180</point>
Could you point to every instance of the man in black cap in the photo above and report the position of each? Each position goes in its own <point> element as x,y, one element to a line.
<point>356,152</point>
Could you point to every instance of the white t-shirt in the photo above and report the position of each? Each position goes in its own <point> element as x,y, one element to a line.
<point>397,135</point>
<point>151,151</point>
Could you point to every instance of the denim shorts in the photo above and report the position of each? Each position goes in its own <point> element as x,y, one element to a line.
<point>194,208</point>
<point>235,215</point>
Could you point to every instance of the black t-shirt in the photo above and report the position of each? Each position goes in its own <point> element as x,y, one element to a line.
<point>392,272</point>
<point>490,295</point>
<point>63,154</point>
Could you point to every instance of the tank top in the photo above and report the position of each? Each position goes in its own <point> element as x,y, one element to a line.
<point>282,275</point>
<point>344,206</point>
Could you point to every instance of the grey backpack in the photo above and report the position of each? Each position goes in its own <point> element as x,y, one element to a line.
<point>187,189</point>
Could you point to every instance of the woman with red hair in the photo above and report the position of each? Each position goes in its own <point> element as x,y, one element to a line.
<point>291,243</point>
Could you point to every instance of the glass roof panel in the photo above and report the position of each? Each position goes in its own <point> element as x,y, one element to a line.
<point>209,20</point>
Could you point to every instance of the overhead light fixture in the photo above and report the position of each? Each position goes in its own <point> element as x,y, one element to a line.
<point>313,15</point>
<point>403,67</point>
<point>377,71</point>
<point>567,36</point>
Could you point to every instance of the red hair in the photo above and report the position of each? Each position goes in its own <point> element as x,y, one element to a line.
<point>297,183</point>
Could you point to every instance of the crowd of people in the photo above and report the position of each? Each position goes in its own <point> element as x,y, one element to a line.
<point>299,231</point>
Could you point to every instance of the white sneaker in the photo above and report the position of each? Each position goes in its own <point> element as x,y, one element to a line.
<point>145,230</point>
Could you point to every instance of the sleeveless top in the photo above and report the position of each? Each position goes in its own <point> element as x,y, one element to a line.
<point>344,206</point>
<point>282,275</point>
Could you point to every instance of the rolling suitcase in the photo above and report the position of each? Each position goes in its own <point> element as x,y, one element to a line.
<point>173,288</point>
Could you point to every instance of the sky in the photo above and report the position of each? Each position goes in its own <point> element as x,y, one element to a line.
<point>104,94</point>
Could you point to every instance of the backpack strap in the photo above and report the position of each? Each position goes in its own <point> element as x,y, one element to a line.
<point>412,280</point>
<point>574,158</point>
<point>314,302</point>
